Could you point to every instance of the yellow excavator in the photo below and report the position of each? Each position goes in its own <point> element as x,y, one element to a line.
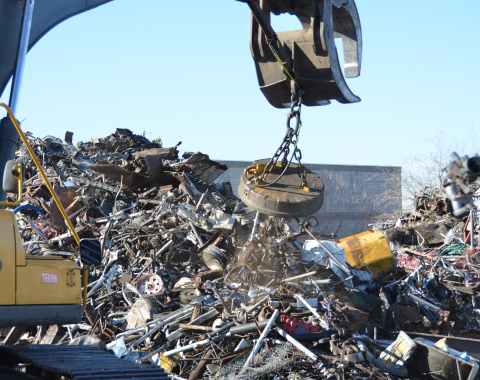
<point>293,68</point>
<point>37,290</point>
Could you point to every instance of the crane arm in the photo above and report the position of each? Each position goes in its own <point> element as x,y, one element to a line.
<point>47,15</point>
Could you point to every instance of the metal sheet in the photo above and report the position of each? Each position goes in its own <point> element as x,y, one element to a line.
<point>438,364</point>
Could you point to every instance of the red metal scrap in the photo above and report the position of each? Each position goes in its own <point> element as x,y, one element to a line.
<point>296,326</point>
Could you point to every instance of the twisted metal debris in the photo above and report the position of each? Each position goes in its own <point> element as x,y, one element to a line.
<point>193,281</point>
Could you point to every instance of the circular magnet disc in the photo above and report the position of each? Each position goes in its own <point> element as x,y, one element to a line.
<point>285,198</point>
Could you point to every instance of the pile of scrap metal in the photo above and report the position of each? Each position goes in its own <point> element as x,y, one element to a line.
<point>193,281</point>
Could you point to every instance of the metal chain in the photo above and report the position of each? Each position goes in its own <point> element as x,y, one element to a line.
<point>290,140</point>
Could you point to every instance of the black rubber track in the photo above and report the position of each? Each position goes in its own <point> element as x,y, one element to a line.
<point>80,362</point>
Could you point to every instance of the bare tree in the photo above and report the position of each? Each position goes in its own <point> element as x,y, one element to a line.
<point>425,171</point>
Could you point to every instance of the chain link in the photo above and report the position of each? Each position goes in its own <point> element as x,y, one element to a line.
<point>290,140</point>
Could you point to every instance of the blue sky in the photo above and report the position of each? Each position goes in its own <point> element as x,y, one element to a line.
<point>182,71</point>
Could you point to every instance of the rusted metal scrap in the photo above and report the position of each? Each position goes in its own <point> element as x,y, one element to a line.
<point>196,283</point>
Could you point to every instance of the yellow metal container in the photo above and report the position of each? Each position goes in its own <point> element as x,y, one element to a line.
<point>369,248</point>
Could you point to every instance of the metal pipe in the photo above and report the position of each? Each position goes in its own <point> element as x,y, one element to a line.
<point>163,249</point>
<point>247,327</point>
<point>21,54</point>
<point>197,235</point>
<point>257,346</point>
<point>159,326</point>
<point>198,372</point>
<point>253,307</point>
<point>226,327</point>
<point>297,344</point>
<point>277,304</point>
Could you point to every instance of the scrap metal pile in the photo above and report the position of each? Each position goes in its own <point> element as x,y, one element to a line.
<point>193,281</point>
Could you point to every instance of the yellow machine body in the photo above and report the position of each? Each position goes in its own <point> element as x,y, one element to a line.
<point>26,282</point>
<point>48,280</point>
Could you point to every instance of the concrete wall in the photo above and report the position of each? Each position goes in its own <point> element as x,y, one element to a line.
<point>355,196</point>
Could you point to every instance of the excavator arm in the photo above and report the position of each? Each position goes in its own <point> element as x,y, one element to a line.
<point>293,68</point>
<point>47,14</point>
<point>309,55</point>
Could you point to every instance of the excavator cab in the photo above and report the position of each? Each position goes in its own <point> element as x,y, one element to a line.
<point>13,181</point>
<point>37,290</point>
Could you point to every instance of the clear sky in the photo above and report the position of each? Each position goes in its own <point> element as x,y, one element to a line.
<point>182,71</point>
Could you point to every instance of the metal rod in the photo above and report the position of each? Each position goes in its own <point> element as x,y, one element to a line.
<point>194,345</point>
<point>254,228</point>
<point>21,54</point>
<point>195,327</point>
<point>157,320</point>
<point>198,372</point>
<point>99,283</point>
<point>323,323</point>
<point>200,200</point>
<point>272,320</point>
<point>177,334</point>
<point>225,306</point>
<point>253,307</point>
<point>472,227</point>
<point>326,250</point>
<point>163,249</point>
<point>297,344</point>
<point>160,325</point>
<point>300,276</point>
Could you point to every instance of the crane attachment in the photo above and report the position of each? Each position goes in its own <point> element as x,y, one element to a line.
<point>294,68</point>
<point>308,56</point>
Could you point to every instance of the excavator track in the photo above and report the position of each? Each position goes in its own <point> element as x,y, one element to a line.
<point>78,362</point>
